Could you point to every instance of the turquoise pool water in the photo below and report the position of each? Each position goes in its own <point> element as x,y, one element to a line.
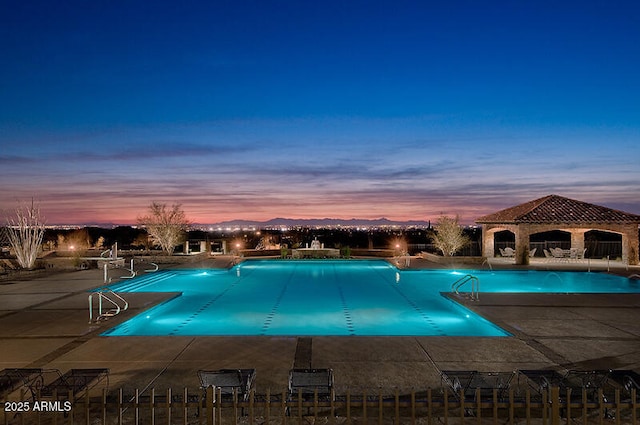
<point>341,297</point>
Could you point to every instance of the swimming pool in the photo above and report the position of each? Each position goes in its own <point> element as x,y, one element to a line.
<point>326,297</point>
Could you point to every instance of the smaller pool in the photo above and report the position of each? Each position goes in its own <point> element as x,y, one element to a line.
<point>530,281</point>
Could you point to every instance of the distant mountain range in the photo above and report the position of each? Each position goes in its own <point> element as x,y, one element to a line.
<point>321,222</point>
<point>283,222</point>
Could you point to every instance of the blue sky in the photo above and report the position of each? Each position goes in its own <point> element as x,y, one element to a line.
<point>255,110</point>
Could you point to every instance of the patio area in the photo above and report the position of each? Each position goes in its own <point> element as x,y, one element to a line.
<point>44,323</point>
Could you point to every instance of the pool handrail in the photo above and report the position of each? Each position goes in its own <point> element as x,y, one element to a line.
<point>475,289</point>
<point>110,313</point>
<point>152,270</point>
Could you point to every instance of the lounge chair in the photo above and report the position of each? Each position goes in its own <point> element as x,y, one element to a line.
<point>539,380</point>
<point>228,382</point>
<point>509,252</point>
<point>594,384</point>
<point>471,384</point>
<point>74,382</point>
<point>12,379</point>
<point>532,252</point>
<point>591,381</point>
<point>304,384</point>
<point>624,380</point>
<point>468,382</point>
<point>457,380</point>
<point>307,382</point>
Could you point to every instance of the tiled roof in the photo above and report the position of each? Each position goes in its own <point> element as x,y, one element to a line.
<point>557,209</point>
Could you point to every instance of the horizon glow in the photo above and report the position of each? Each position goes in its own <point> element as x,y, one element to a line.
<point>247,110</point>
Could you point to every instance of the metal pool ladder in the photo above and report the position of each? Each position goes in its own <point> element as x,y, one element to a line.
<point>475,286</point>
<point>108,313</point>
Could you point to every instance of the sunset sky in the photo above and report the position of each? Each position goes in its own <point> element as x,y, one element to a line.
<point>300,109</point>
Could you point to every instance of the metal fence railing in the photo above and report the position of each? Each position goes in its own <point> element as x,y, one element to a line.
<point>431,406</point>
<point>473,249</point>
<point>595,249</point>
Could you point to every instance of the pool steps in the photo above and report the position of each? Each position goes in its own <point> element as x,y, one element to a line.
<point>109,294</point>
<point>138,284</point>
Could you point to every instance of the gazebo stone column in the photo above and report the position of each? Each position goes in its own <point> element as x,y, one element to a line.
<point>522,245</point>
<point>630,244</point>
<point>488,238</point>
<point>577,239</point>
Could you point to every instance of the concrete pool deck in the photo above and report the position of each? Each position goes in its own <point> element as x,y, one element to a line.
<point>44,323</point>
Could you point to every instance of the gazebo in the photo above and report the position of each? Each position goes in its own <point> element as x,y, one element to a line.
<point>555,212</point>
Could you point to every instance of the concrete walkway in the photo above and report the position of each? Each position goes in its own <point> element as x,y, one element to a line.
<point>44,323</point>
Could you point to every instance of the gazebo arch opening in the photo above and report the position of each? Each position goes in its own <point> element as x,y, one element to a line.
<point>603,244</point>
<point>548,240</point>
<point>503,239</point>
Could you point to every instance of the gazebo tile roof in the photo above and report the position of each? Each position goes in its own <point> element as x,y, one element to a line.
<point>558,209</point>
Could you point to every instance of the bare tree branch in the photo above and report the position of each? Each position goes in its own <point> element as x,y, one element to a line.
<point>449,236</point>
<point>4,236</point>
<point>166,227</point>
<point>25,232</point>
